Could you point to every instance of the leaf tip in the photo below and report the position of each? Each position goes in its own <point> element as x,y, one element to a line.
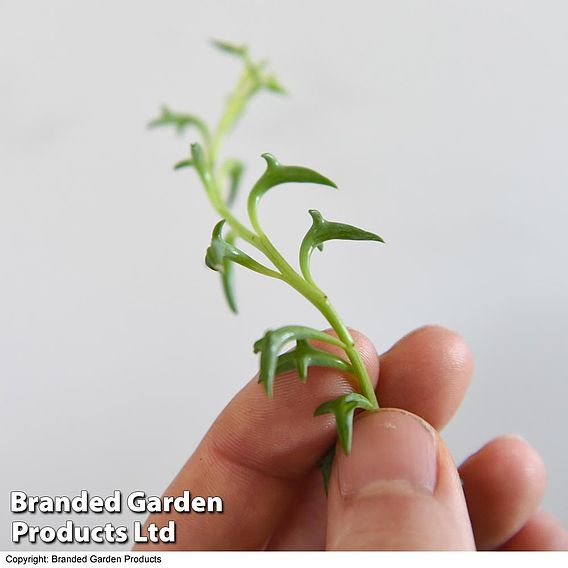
<point>240,50</point>
<point>272,84</point>
<point>266,385</point>
<point>183,164</point>
<point>271,161</point>
<point>257,346</point>
<point>325,464</point>
<point>322,180</point>
<point>316,216</point>
<point>375,237</point>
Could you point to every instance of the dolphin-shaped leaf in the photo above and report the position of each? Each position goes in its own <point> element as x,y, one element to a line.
<point>323,230</point>
<point>179,121</point>
<point>343,409</point>
<point>272,344</point>
<point>276,174</point>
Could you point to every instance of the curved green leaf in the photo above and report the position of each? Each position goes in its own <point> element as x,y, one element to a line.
<point>199,162</point>
<point>233,169</point>
<point>323,230</point>
<point>305,355</point>
<point>343,409</point>
<point>227,277</point>
<point>183,164</point>
<point>276,174</point>
<point>179,121</point>
<point>274,341</point>
<point>325,464</point>
<point>272,84</point>
<point>198,158</point>
<point>231,48</point>
<point>220,252</point>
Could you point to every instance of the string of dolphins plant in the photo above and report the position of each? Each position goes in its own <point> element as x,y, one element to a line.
<point>221,180</point>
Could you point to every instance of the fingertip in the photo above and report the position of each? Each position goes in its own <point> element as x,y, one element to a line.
<point>511,459</point>
<point>427,372</point>
<point>541,532</point>
<point>504,483</point>
<point>450,345</point>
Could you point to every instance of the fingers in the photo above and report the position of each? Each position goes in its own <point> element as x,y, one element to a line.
<point>398,490</point>
<point>304,524</point>
<point>504,483</point>
<point>427,373</point>
<point>255,457</point>
<point>258,452</point>
<point>541,532</point>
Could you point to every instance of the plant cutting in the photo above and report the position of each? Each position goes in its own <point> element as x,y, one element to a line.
<point>221,179</point>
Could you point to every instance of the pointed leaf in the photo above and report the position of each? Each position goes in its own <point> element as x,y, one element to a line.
<point>233,49</point>
<point>323,230</point>
<point>272,84</point>
<point>343,409</point>
<point>233,169</point>
<point>325,464</point>
<point>272,344</point>
<point>179,121</point>
<point>183,164</point>
<point>227,275</point>
<point>200,164</point>
<point>276,174</point>
<point>198,158</point>
<point>304,356</point>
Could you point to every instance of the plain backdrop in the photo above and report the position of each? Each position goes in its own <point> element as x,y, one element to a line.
<point>443,123</point>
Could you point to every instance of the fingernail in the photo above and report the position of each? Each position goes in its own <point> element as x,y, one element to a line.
<point>389,446</point>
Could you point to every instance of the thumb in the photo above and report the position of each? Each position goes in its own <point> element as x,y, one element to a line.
<point>398,489</point>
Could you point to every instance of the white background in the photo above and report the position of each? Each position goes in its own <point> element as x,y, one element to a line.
<point>444,124</point>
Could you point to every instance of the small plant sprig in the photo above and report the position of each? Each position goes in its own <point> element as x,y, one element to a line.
<point>221,181</point>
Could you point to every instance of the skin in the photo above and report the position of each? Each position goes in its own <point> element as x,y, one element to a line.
<point>259,457</point>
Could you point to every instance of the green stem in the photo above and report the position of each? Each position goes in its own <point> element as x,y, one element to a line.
<point>235,105</point>
<point>244,90</point>
<point>320,300</point>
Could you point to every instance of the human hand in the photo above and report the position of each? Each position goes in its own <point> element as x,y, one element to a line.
<point>399,488</point>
